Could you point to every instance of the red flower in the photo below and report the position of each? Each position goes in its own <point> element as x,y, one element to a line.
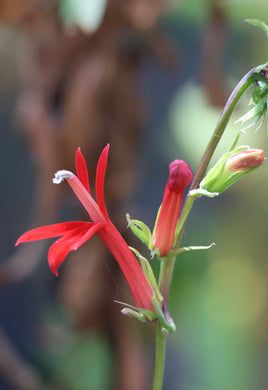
<point>75,234</point>
<point>180,176</point>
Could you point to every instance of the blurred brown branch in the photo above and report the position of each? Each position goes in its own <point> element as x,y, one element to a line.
<point>213,45</point>
<point>80,90</point>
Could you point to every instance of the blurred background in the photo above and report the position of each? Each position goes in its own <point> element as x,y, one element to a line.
<point>151,78</point>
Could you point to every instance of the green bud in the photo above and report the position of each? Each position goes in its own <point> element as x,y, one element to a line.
<point>231,167</point>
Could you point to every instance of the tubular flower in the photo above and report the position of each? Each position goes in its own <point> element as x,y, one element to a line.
<point>180,176</point>
<point>74,234</point>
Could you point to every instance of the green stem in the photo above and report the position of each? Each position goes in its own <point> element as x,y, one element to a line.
<point>160,352</point>
<point>165,277</point>
<point>166,271</point>
<point>249,78</point>
<point>242,86</point>
<point>167,265</point>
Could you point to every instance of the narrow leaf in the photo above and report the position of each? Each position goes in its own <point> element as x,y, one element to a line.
<point>189,248</point>
<point>148,272</point>
<point>258,23</point>
<point>168,324</point>
<point>141,231</point>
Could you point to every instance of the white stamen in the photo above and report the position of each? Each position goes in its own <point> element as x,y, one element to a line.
<point>61,175</point>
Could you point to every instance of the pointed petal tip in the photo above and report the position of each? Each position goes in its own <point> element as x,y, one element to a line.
<point>54,269</point>
<point>100,175</point>
<point>21,239</point>
<point>78,151</point>
<point>81,169</point>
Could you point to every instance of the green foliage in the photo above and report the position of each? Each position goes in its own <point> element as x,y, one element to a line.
<point>258,23</point>
<point>141,231</point>
<point>148,272</point>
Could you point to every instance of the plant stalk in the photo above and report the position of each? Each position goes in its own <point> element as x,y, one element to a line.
<point>167,265</point>
<point>249,78</point>
<point>160,353</point>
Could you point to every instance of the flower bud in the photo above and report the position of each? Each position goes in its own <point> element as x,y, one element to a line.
<point>180,176</point>
<point>231,167</point>
<point>245,160</point>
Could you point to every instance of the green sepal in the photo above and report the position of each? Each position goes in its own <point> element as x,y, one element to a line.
<point>258,23</point>
<point>256,94</point>
<point>141,231</point>
<point>165,320</point>
<point>260,90</point>
<point>218,179</point>
<point>148,272</point>
<point>257,113</point>
<point>134,314</point>
<point>156,252</point>
<point>202,192</point>
<point>187,249</point>
<point>143,315</point>
<point>157,216</point>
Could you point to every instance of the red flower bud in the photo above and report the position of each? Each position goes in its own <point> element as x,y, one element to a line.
<point>245,160</point>
<point>180,176</point>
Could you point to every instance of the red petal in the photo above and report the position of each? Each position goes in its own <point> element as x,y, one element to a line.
<point>49,231</point>
<point>81,169</point>
<point>100,174</point>
<point>70,241</point>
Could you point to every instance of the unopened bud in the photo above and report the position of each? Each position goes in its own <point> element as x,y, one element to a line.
<point>245,160</point>
<point>180,176</point>
<point>231,167</point>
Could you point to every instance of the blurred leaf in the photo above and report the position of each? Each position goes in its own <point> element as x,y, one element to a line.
<point>86,14</point>
<point>258,23</point>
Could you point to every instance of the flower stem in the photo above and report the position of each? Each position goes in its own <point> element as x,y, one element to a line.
<point>160,352</point>
<point>252,76</point>
<point>167,264</point>
<point>242,86</point>
<point>166,271</point>
<point>165,276</point>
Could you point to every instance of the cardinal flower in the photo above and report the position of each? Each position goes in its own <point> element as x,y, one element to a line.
<point>73,234</point>
<point>180,176</point>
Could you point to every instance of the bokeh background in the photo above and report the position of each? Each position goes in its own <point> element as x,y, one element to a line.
<point>151,78</point>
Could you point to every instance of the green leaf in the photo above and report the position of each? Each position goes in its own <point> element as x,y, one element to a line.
<point>258,23</point>
<point>141,231</point>
<point>203,192</point>
<point>148,272</point>
<point>143,315</point>
<point>155,224</point>
<point>135,314</point>
<point>165,320</point>
<point>256,112</point>
<point>187,249</point>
